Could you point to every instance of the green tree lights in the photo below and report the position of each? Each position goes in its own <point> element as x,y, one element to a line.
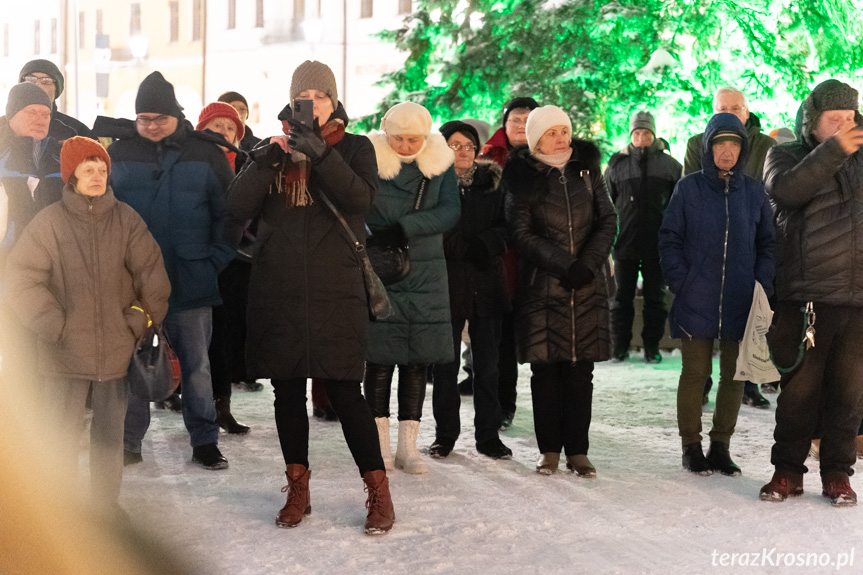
<point>602,60</point>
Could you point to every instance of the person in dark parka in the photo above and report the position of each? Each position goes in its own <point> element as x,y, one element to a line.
<point>474,256</point>
<point>816,186</point>
<point>418,334</point>
<point>715,242</point>
<point>562,225</point>
<point>30,181</point>
<point>308,311</point>
<point>640,179</point>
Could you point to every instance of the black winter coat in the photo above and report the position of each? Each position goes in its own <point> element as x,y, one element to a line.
<point>817,196</point>
<point>307,312</point>
<point>554,221</point>
<point>478,291</point>
<point>640,182</point>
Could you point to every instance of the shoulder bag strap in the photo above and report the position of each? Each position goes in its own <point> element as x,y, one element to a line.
<point>358,246</point>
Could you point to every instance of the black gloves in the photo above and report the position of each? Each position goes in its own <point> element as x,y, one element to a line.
<point>391,236</point>
<point>477,254</point>
<point>577,276</point>
<point>268,156</point>
<point>307,140</point>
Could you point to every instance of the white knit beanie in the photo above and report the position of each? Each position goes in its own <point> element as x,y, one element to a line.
<point>407,118</point>
<point>541,119</point>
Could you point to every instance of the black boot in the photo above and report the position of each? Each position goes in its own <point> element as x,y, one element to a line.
<point>694,460</point>
<point>652,355</point>
<point>753,397</point>
<point>720,460</point>
<point>226,420</point>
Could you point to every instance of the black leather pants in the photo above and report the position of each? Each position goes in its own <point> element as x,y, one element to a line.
<point>412,390</point>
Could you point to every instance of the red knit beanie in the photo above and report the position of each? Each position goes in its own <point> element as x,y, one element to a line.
<point>76,150</point>
<point>221,110</point>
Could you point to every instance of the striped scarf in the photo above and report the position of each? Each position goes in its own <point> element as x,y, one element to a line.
<point>295,175</point>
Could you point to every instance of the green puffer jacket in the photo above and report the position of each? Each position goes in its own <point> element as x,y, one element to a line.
<point>419,332</point>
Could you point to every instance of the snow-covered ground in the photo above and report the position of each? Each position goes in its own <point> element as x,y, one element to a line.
<point>643,514</point>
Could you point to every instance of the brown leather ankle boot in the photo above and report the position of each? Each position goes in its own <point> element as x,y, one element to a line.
<point>299,503</point>
<point>379,503</point>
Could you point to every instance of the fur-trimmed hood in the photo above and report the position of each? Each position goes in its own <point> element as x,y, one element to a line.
<point>433,161</point>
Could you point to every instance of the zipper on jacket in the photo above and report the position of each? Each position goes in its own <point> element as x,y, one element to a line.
<point>571,252</point>
<point>94,251</point>
<point>724,252</point>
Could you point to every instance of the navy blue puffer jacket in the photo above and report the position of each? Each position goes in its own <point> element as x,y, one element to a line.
<point>716,240</point>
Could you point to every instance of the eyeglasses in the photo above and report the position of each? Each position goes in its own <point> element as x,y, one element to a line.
<point>47,81</point>
<point>516,121</point>
<point>158,120</point>
<point>460,147</point>
<point>730,110</point>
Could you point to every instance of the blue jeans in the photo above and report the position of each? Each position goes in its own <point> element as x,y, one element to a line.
<point>189,332</point>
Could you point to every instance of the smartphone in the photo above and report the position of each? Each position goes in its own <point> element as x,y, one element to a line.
<point>304,112</point>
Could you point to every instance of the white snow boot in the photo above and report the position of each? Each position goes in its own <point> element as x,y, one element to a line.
<point>407,457</point>
<point>383,424</point>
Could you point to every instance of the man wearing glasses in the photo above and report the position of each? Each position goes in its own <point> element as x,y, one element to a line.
<point>732,101</point>
<point>176,179</point>
<point>47,76</point>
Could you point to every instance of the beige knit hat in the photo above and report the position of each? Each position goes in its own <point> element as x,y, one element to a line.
<point>407,118</point>
<point>314,75</point>
<point>541,119</point>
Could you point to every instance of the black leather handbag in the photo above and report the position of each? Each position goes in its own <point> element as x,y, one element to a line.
<point>154,370</point>
<point>378,300</point>
<point>392,262</point>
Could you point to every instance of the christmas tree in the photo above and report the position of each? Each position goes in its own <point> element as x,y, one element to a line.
<point>603,60</point>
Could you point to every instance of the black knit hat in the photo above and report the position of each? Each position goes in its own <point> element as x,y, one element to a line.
<point>23,95</point>
<point>229,97</point>
<point>462,128</point>
<point>517,103</point>
<point>156,96</point>
<point>44,67</point>
<point>828,95</point>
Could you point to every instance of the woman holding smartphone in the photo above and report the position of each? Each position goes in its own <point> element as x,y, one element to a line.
<point>308,313</point>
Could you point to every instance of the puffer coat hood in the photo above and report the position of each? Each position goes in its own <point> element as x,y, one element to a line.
<point>723,123</point>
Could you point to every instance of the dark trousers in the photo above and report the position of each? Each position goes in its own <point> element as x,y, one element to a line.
<point>562,396</point>
<point>507,364</point>
<point>227,347</point>
<point>697,366</point>
<point>828,380</point>
<point>623,309</point>
<point>358,426</point>
<point>485,336</point>
<point>377,387</point>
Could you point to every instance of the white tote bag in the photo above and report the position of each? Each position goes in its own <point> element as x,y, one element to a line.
<point>753,359</point>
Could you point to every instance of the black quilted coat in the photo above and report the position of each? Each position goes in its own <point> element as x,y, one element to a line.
<point>817,196</point>
<point>555,219</point>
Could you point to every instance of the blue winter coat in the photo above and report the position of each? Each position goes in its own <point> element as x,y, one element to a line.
<point>178,186</point>
<point>716,240</point>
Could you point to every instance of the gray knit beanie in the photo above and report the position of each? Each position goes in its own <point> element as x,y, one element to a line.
<point>23,95</point>
<point>828,95</point>
<point>642,121</point>
<point>314,75</point>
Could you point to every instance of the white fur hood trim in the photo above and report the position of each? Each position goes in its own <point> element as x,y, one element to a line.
<point>434,160</point>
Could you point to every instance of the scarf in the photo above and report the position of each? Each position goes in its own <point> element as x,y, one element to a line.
<point>466,179</point>
<point>554,160</point>
<point>232,159</point>
<point>295,175</point>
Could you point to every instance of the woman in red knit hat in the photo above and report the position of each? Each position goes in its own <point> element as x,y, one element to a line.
<point>79,277</point>
<point>227,344</point>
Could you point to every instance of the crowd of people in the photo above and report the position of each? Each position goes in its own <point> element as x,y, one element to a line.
<point>247,252</point>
